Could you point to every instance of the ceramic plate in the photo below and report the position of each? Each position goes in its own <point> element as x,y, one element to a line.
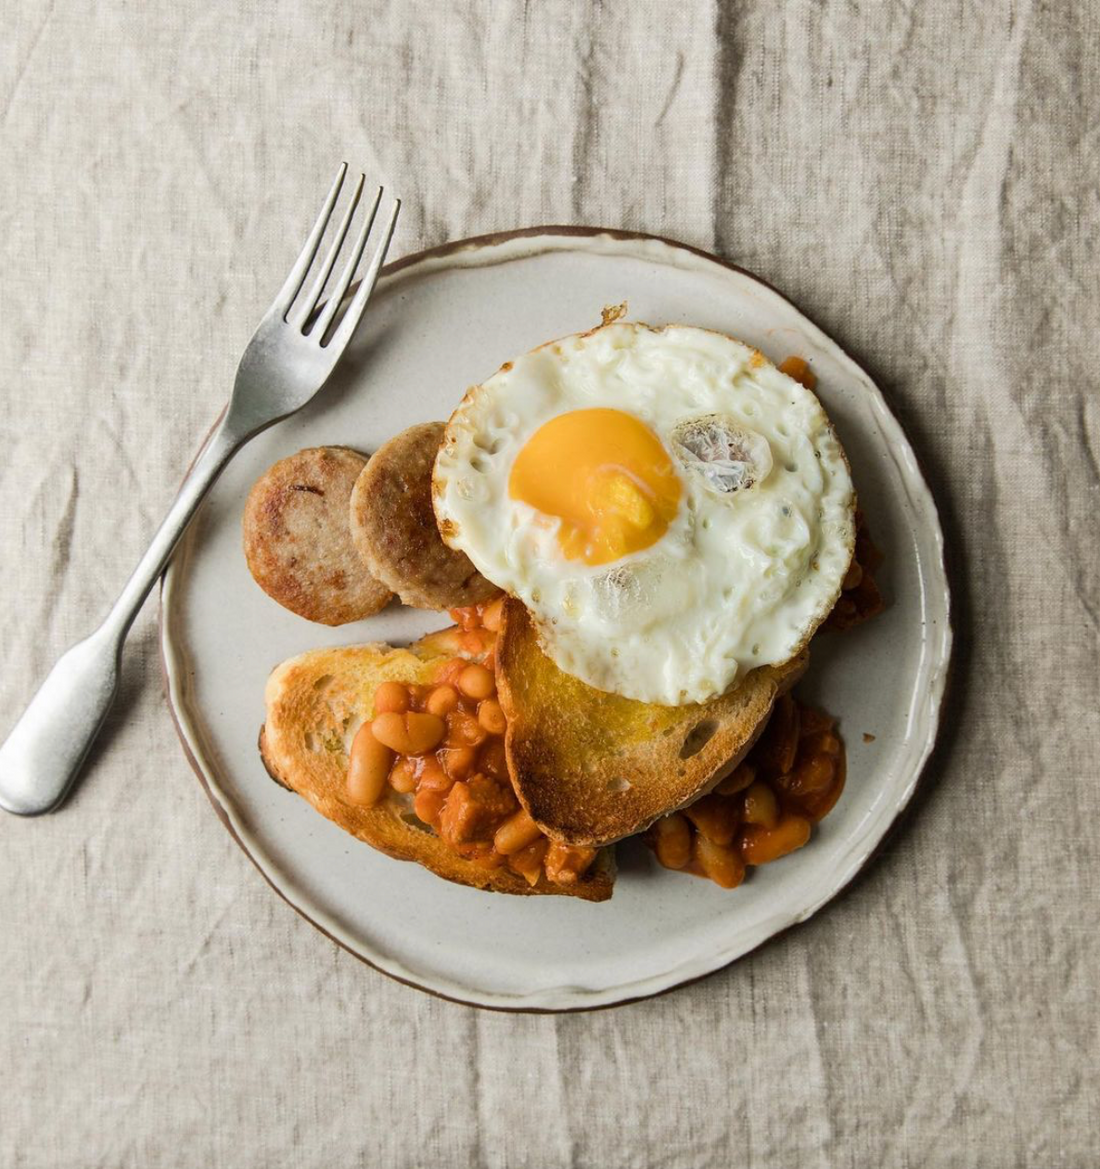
<point>442,321</point>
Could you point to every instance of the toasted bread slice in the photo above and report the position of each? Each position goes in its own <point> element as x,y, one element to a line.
<point>315,704</point>
<point>593,767</point>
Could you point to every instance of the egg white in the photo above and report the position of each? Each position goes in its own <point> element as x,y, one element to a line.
<point>740,579</point>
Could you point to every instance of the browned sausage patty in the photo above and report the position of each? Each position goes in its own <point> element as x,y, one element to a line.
<point>394,527</point>
<point>297,538</point>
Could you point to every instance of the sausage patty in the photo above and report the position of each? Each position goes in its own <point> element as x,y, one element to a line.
<point>297,537</point>
<point>394,527</point>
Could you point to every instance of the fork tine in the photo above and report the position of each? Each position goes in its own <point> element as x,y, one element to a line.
<point>348,274</point>
<point>298,273</point>
<point>307,305</point>
<point>347,326</point>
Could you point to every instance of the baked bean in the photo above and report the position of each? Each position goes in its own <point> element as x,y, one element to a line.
<point>425,731</point>
<point>853,576</point>
<point>715,817</point>
<point>403,776</point>
<point>442,700</point>
<point>389,728</point>
<point>741,777</point>
<point>760,846</point>
<point>491,717</point>
<point>720,862</point>
<point>463,730</point>
<point>817,806</point>
<point>791,778</point>
<point>428,805</point>
<point>517,832</point>
<point>761,806</point>
<point>433,777</point>
<point>811,775</point>
<point>368,768</point>
<point>411,733</point>
<point>458,762</point>
<point>448,673</point>
<point>476,682</point>
<point>391,696</point>
<point>528,861</point>
<point>672,841</point>
<point>493,614</point>
<point>464,617</point>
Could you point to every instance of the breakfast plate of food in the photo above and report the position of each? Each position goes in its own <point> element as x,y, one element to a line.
<point>590,629</point>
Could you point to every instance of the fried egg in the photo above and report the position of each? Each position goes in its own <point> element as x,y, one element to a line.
<point>672,509</point>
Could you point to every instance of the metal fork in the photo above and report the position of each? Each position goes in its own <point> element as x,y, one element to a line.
<point>289,358</point>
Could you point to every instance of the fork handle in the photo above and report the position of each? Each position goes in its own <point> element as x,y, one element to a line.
<point>44,751</point>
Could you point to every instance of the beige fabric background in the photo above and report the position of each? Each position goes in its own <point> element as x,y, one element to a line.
<point>922,178</point>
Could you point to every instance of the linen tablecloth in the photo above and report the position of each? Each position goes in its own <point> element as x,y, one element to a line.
<point>922,179</point>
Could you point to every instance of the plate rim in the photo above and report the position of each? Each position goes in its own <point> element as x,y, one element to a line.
<point>941,685</point>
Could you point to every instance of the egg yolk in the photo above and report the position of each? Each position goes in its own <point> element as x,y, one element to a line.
<point>605,475</point>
